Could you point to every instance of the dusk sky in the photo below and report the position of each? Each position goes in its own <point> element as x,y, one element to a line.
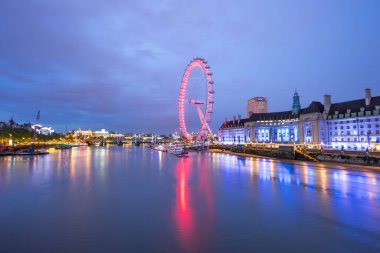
<point>118,64</point>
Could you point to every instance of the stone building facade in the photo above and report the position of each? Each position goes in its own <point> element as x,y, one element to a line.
<point>352,125</point>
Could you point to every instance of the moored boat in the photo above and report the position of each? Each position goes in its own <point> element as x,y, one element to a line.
<point>159,147</point>
<point>63,146</point>
<point>176,149</point>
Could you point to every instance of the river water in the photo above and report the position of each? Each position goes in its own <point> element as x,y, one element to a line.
<point>133,199</point>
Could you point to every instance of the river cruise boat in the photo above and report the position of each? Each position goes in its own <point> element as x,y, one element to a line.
<point>176,149</point>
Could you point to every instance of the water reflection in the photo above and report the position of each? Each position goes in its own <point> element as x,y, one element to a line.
<point>183,212</point>
<point>194,208</point>
<point>120,198</point>
<point>335,179</point>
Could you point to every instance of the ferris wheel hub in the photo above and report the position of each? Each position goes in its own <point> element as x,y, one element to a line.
<point>196,102</point>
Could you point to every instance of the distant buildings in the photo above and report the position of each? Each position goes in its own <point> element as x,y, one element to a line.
<point>102,133</point>
<point>257,105</point>
<point>43,130</point>
<point>349,125</point>
<point>12,124</point>
<point>90,133</point>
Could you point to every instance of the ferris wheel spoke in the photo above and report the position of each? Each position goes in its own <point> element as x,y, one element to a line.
<point>205,126</point>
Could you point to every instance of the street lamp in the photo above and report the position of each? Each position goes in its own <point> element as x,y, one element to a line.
<point>10,140</point>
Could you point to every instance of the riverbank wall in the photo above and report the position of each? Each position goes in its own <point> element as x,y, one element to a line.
<point>300,153</point>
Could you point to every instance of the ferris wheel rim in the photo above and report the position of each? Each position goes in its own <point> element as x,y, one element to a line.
<point>208,110</point>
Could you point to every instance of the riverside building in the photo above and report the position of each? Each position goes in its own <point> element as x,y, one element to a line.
<point>352,125</point>
<point>257,105</point>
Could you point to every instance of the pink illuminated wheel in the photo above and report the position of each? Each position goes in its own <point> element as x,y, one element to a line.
<point>204,116</point>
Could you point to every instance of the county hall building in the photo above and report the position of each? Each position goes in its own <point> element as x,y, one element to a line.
<point>352,125</point>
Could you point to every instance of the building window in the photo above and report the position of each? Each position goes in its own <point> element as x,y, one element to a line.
<point>369,126</point>
<point>348,127</point>
<point>377,131</point>
<point>348,132</point>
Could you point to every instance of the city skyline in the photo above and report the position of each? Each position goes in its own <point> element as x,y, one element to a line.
<point>118,65</point>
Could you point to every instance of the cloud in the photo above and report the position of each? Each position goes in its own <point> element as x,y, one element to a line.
<point>118,64</point>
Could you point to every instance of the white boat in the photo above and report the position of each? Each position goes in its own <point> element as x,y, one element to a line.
<point>176,149</point>
<point>159,147</point>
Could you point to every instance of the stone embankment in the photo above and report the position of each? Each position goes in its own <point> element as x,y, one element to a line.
<point>299,152</point>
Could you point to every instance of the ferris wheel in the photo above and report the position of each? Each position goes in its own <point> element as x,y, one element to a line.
<point>204,116</point>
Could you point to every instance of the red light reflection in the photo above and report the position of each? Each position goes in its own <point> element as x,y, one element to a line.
<point>184,219</point>
<point>194,223</point>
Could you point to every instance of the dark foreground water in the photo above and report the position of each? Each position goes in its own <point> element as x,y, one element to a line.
<point>134,199</point>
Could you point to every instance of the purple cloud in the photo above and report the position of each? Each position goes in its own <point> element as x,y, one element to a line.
<point>118,64</point>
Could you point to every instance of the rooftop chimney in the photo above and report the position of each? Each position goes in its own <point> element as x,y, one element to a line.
<point>327,103</point>
<point>239,118</point>
<point>234,119</point>
<point>367,96</point>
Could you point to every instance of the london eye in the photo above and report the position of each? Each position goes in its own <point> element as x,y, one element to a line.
<point>203,114</point>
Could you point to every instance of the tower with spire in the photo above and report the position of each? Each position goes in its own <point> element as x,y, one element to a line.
<point>296,108</point>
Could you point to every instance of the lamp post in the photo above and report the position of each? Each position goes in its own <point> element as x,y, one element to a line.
<point>10,142</point>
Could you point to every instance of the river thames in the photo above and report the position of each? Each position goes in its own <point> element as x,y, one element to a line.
<point>134,199</point>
